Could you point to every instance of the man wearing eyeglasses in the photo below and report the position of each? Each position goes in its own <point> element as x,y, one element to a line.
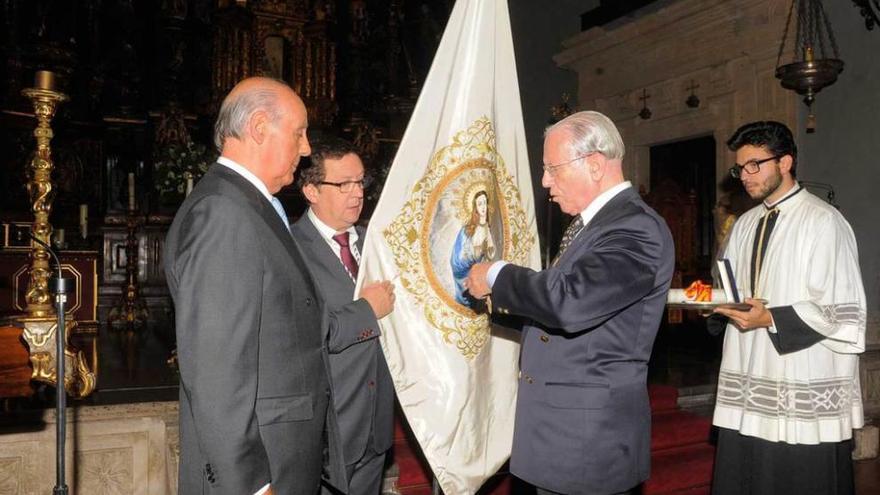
<point>788,390</point>
<point>362,389</point>
<point>583,422</point>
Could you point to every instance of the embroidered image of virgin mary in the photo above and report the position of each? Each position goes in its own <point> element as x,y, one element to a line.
<point>473,244</point>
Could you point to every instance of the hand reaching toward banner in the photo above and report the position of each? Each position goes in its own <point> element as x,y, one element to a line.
<point>380,296</point>
<point>476,282</point>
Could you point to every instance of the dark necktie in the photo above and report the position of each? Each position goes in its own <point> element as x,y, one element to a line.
<point>759,248</point>
<point>345,254</point>
<point>570,233</point>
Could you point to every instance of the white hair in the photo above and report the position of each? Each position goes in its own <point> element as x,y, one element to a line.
<point>590,132</point>
<point>237,109</point>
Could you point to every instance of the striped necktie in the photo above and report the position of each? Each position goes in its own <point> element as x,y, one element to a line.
<point>346,255</point>
<point>570,233</point>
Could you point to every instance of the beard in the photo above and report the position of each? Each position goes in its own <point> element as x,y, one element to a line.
<point>766,188</point>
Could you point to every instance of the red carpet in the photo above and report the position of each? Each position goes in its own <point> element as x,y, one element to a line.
<point>415,475</point>
<point>681,456</point>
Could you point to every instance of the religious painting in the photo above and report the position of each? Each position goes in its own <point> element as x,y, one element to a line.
<point>463,229</point>
<point>273,57</point>
<point>466,209</point>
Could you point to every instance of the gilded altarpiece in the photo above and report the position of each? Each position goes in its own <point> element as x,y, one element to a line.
<point>144,76</point>
<point>281,39</point>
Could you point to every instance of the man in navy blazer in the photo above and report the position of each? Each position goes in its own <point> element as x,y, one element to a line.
<point>583,422</point>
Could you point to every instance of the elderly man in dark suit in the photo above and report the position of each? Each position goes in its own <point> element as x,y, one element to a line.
<point>362,388</point>
<point>254,387</point>
<point>583,423</point>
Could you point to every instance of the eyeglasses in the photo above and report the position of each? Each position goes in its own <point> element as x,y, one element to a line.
<point>751,166</point>
<point>551,169</point>
<point>348,186</point>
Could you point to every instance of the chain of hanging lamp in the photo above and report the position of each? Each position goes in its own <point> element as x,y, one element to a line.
<point>814,67</point>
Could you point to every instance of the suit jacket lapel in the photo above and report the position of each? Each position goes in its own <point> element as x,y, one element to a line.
<point>604,215</point>
<point>262,206</point>
<point>318,246</point>
<point>606,212</point>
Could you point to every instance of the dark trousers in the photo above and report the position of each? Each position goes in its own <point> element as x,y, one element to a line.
<point>753,466</point>
<point>364,477</point>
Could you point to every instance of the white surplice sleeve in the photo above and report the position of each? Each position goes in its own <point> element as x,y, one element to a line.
<point>833,314</point>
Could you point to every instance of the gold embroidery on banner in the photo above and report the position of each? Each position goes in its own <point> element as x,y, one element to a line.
<point>456,173</point>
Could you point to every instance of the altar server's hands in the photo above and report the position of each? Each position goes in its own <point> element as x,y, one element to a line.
<point>757,317</point>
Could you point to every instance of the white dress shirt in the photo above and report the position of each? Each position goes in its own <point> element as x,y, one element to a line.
<point>586,215</point>
<point>247,174</point>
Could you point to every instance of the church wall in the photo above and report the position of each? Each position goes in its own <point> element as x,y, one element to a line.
<point>845,149</point>
<point>727,48</point>
<point>537,34</point>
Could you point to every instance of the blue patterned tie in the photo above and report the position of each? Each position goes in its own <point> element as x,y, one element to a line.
<point>279,208</point>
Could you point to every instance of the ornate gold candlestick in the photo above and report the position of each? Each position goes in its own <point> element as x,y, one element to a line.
<point>45,100</point>
<point>40,323</point>
<point>130,314</point>
<point>131,309</point>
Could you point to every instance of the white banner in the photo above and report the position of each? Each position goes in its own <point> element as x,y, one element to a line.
<point>458,192</point>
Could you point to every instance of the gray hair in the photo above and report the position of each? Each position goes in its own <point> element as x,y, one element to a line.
<point>237,109</point>
<point>591,132</point>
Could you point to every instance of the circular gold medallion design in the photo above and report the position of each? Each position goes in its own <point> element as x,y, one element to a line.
<point>466,209</point>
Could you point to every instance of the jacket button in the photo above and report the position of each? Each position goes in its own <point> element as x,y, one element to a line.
<point>372,383</point>
<point>327,391</point>
<point>308,301</point>
<point>545,338</point>
<point>529,379</point>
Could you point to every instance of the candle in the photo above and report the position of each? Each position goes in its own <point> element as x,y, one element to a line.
<point>189,185</point>
<point>59,238</point>
<point>131,191</point>
<point>84,220</point>
<point>44,79</point>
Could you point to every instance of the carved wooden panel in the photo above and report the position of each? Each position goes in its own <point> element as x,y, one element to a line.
<point>15,370</point>
<point>81,266</point>
<point>869,374</point>
<point>151,242</point>
<point>680,211</point>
